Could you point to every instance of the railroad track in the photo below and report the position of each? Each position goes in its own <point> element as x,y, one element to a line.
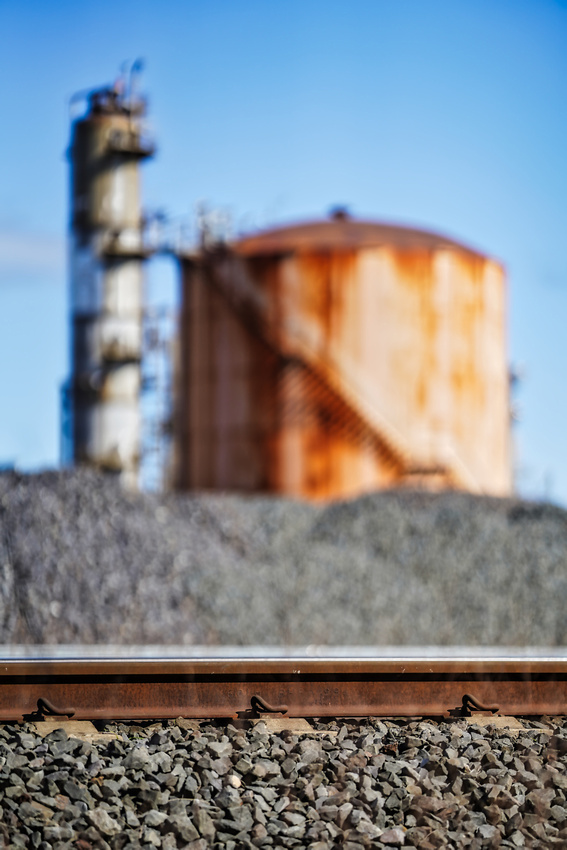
<point>159,688</point>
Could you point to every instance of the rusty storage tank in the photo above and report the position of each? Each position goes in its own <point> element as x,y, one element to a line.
<point>106,254</point>
<point>336,357</point>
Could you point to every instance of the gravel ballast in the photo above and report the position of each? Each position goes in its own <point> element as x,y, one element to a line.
<point>83,562</point>
<point>346,784</point>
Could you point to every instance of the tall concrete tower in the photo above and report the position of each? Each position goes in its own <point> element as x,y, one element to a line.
<point>106,256</point>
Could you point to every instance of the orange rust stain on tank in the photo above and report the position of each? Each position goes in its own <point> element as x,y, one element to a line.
<point>412,267</point>
<point>325,277</point>
<point>469,316</point>
<point>344,268</point>
<point>315,306</point>
<point>470,382</point>
<point>414,275</point>
<point>314,270</point>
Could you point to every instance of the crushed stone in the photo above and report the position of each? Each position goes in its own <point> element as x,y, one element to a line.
<point>83,562</point>
<point>375,783</point>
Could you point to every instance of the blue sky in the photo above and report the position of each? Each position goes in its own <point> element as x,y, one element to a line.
<point>447,114</point>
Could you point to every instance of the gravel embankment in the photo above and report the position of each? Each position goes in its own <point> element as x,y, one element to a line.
<point>352,785</point>
<point>83,562</point>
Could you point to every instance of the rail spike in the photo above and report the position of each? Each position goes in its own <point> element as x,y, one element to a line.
<point>45,708</point>
<point>261,706</point>
<point>471,704</point>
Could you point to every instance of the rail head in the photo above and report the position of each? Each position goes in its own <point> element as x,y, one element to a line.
<point>281,666</point>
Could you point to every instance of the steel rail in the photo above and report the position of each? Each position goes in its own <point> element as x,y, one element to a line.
<point>296,687</point>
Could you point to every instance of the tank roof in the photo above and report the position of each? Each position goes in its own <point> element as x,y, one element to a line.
<point>347,233</point>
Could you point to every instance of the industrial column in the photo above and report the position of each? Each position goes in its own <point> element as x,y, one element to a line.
<point>106,255</point>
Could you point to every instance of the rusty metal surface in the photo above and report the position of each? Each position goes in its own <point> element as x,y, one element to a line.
<point>335,358</point>
<point>91,689</point>
<point>343,232</point>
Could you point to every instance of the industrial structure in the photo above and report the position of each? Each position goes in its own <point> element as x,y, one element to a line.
<point>319,361</point>
<point>107,250</point>
<point>336,357</point>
